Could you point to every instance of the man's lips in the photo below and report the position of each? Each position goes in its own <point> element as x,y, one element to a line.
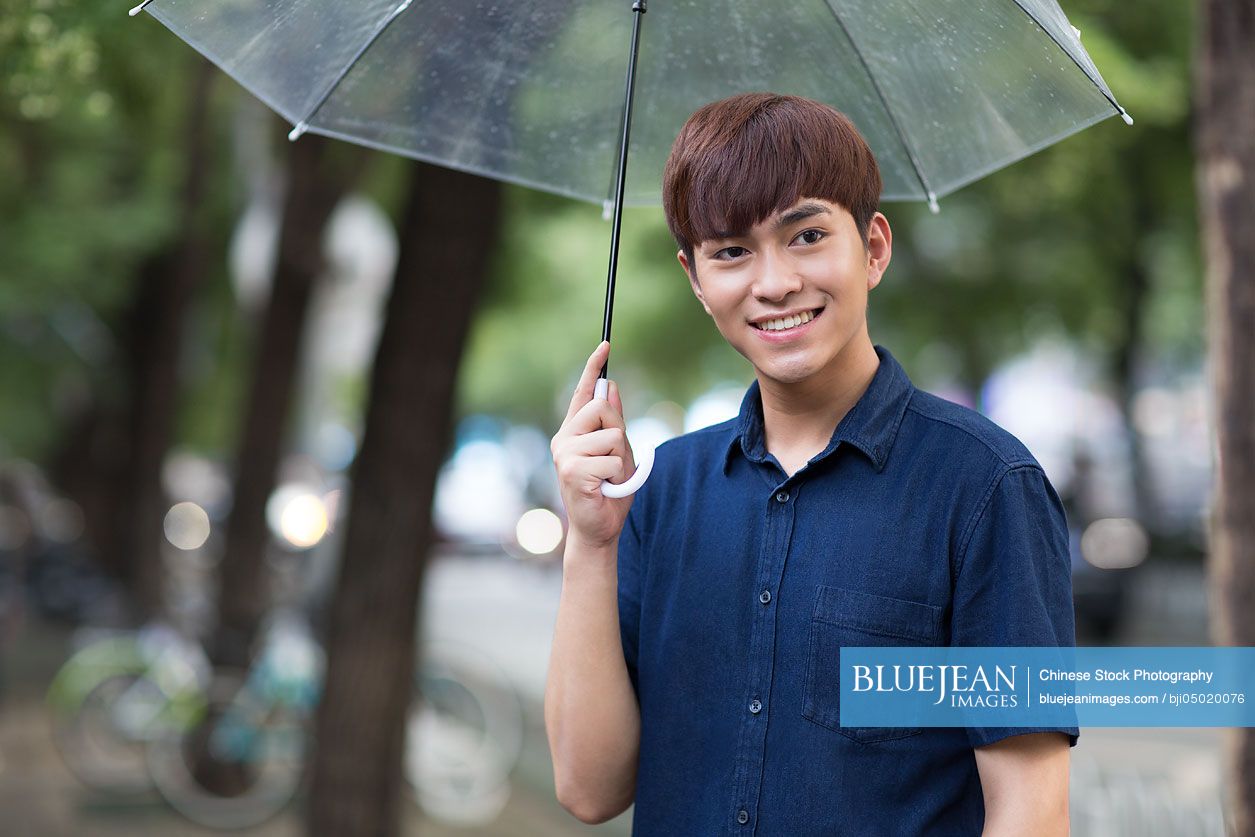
<point>814,315</point>
<point>788,335</point>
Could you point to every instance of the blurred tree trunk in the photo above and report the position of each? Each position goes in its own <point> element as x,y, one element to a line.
<point>1226,181</point>
<point>1127,352</point>
<point>446,234</point>
<point>111,462</point>
<point>319,173</point>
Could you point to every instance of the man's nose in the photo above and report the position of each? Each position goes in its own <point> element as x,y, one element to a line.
<point>776,279</point>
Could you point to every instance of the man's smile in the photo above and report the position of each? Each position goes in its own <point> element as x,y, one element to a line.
<point>779,329</point>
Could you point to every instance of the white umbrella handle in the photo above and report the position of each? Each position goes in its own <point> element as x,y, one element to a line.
<point>646,463</point>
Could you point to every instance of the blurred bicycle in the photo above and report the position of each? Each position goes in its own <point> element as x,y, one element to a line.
<point>228,751</point>
<point>119,692</point>
<point>241,760</point>
<point>464,734</point>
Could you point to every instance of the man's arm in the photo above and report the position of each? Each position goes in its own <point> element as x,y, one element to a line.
<point>1024,779</point>
<point>591,715</point>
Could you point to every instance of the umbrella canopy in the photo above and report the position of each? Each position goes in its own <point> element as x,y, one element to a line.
<point>945,91</point>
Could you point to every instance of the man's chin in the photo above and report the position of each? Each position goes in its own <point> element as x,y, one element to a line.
<point>787,374</point>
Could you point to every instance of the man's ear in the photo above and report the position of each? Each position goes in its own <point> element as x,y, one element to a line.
<point>879,249</point>
<point>693,283</point>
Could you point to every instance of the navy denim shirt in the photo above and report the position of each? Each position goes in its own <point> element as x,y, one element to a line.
<point>920,523</point>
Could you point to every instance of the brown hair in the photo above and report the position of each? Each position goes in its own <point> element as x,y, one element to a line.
<point>741,159</point>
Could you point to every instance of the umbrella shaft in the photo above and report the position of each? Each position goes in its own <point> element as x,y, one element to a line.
<point>638,9</point>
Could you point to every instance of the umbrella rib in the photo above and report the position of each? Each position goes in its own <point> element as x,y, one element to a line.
<point>1102,88</point>
<point>302,126</point>
<point>893,120</point>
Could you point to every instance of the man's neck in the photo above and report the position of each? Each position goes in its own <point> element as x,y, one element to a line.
<point>799,419</point>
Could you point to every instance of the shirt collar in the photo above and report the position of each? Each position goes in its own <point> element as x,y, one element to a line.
<point>871,425</point>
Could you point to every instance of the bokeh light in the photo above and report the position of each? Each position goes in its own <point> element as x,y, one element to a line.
<point>1114,543</point>
<point>303,520</point>
<point>186,526</point>
<point>61,520</point>
<point>539,531</point>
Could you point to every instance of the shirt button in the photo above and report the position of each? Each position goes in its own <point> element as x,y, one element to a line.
<point>782,496</point>
<point>742,816</point>
<point>756,706</point>
<point>764,596</point>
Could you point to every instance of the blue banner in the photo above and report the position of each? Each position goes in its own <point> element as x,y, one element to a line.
<point>1035,687</point>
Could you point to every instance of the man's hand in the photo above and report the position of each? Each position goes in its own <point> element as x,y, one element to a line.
<point>1025,782</point>
<point>592,446</point>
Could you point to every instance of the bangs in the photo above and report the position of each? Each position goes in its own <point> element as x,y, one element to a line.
<point>740,160</point>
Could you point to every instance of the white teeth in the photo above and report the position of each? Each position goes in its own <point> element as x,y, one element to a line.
<point>782,323</point>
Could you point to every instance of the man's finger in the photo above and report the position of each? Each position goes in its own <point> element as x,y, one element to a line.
<point>599,443</point>
<point>588,378</point>
<point>594,415</point>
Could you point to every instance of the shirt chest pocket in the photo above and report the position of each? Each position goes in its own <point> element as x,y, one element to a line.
<point>847,618</point>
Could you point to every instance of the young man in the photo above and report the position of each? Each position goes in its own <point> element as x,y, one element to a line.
<point>694,666</point>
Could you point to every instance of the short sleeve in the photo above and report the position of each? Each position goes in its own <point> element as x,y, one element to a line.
<point>630,557</point>
<point>1013,583</point>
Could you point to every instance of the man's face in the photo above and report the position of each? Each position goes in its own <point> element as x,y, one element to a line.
<point>805,261</point>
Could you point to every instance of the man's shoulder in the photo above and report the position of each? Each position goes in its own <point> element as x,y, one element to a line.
<point>682,465</point>
<point>696,448</point>
<point>702,440</point>
<point>691,454</point>
<point>967,435</point>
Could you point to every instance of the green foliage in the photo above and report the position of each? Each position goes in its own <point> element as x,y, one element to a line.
<point>542,316</point>
<point>91,160</point>
<point>92,141</point>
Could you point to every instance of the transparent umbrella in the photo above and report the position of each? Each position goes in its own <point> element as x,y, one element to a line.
<point>945,91</point>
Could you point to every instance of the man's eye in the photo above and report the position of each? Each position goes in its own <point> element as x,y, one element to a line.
<point>809,236</point>
<point>731,253</point>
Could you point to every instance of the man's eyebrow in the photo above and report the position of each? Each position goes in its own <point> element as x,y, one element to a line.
<point>799,213</point>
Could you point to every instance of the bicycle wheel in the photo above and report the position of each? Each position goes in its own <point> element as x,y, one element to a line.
<point>99,746</point>
<point>463,736</point>
<point>254,749</point>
